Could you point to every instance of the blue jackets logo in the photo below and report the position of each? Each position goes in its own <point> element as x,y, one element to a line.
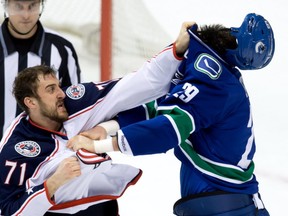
<point>75,92</point>
<point>207,64</point>
<point>28,148</point>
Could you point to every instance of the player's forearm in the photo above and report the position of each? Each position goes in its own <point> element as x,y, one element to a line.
<point>52,186</point>
<point>106,145</point>
<point>161,69</point>
<point>115,143</point>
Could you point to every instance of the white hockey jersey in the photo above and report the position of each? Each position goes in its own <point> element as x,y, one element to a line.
<point>29,154</point>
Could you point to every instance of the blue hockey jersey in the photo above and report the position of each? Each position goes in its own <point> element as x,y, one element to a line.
<point>206,117</point>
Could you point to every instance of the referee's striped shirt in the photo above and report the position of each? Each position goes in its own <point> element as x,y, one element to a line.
<point>47,47</point>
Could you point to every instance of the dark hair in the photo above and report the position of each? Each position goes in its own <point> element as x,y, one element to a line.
<point>217,37</point>
<point>26,83</point>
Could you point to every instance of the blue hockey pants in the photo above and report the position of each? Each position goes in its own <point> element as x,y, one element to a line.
<point>220,204</point>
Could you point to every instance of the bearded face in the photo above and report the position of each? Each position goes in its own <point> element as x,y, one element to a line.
<point>54,111</point>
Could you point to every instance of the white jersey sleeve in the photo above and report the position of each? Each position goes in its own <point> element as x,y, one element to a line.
<point>151,81</point>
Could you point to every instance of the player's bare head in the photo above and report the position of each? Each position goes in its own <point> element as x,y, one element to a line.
<point>27,82</point>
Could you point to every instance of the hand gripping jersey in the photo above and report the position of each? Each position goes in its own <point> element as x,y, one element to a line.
<point>29,154</point>
<point>206,118</point>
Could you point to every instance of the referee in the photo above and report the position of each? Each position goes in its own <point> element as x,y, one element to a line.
<point>24,42</point>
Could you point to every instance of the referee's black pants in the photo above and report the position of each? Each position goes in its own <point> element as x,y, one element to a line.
<point>109,208</point>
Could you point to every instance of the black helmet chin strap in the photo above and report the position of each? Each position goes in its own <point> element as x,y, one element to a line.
<point>20,33</point>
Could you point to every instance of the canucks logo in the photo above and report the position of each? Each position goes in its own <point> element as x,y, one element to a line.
<point>75,91</point>
<point>28,148</point>
<point>208,65</point>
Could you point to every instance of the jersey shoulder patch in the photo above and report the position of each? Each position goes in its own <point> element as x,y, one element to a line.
<point>75,92</point>
<point>28,148</point>
<point>208,65</point>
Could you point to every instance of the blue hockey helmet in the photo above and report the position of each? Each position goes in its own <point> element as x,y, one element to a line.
<point>255,41</point>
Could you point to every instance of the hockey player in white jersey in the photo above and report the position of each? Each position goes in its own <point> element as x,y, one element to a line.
<point>39,174</point>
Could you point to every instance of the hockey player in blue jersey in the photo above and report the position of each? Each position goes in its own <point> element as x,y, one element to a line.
<point>206,117</point>
<point>39,174</point>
